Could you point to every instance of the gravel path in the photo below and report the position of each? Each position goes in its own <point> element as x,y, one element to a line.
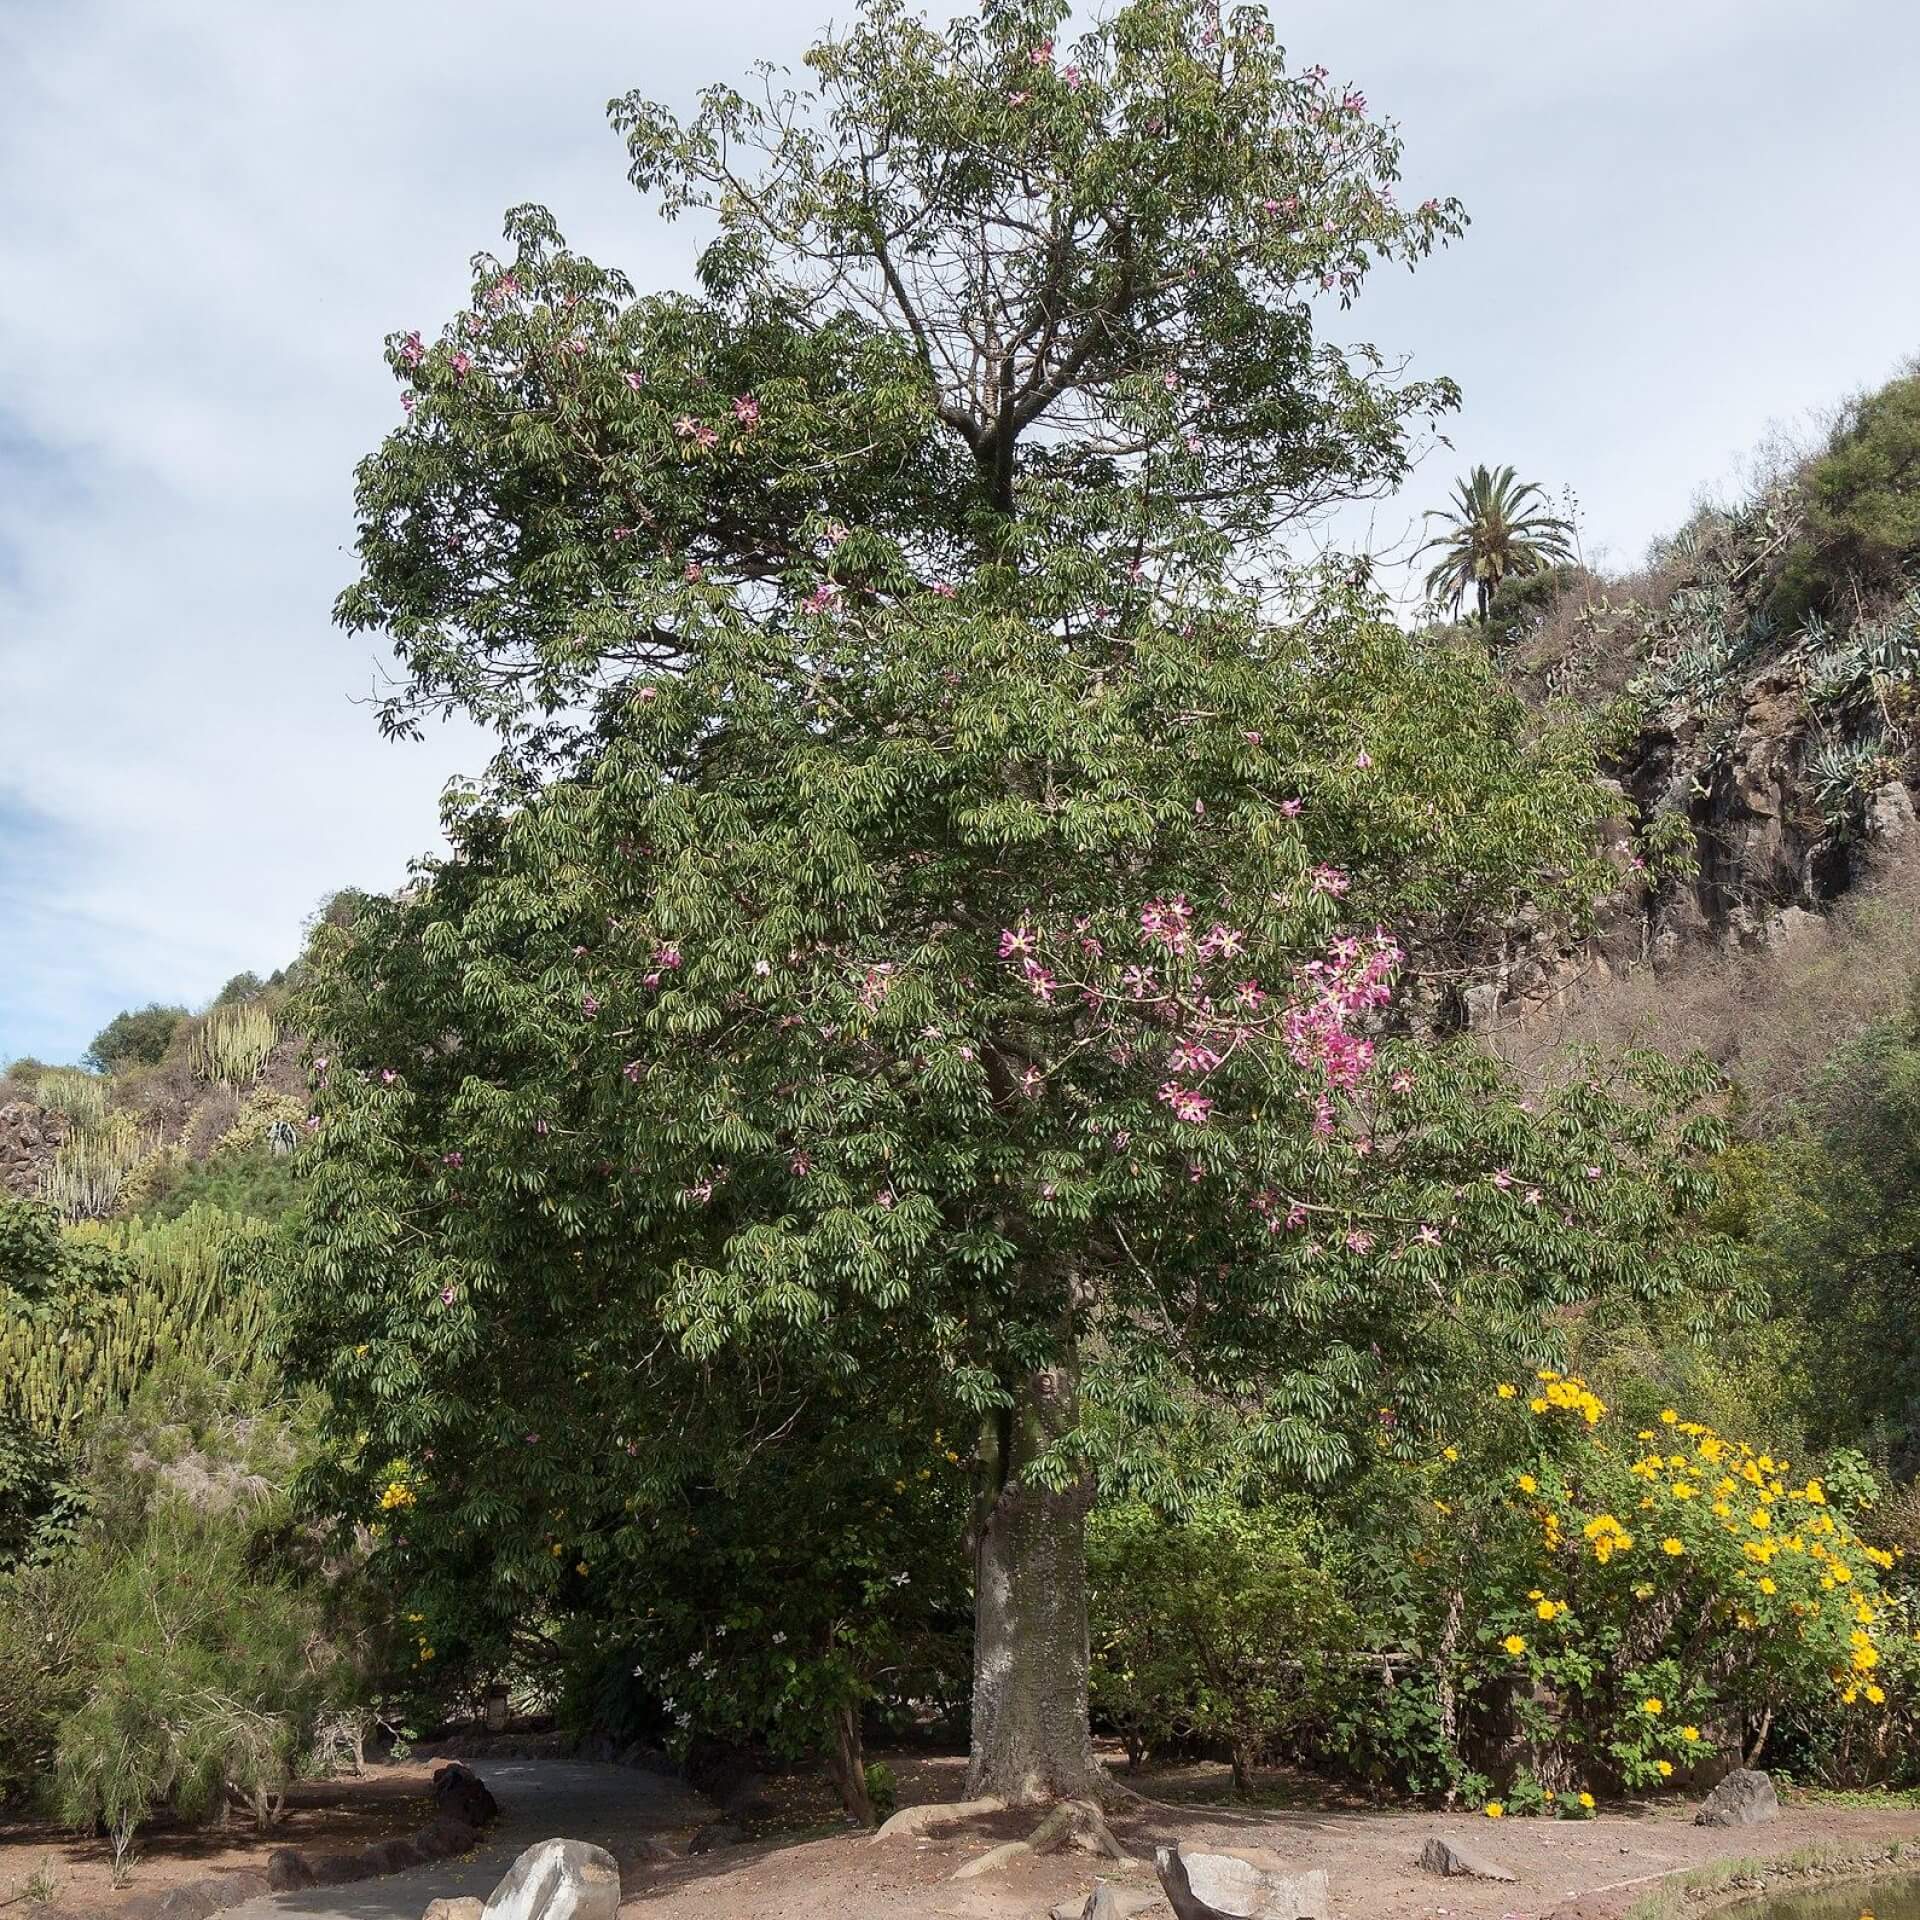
<point>539,1800</point>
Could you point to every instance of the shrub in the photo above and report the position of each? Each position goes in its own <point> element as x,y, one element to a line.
<point>205,1678</point>
<point>1862,502</point>
<point>90,1169</point>
<point>135,1038</point>
<point>1215,1625</point>
<point>81,1097</point>
<point>41,1681</point>
<point>1630,1593</point>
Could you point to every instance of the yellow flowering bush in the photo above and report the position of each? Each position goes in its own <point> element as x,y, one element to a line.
<point>1635,1583</point>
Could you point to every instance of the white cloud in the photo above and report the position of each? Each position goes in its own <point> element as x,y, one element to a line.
<point>1690,219</point>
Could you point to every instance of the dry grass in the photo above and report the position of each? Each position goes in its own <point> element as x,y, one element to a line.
<point>1770,1017</point>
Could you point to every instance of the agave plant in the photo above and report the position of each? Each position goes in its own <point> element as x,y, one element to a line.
<point>1493,530</point>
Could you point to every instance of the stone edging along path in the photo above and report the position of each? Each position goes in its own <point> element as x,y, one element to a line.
<point>464,1809</point>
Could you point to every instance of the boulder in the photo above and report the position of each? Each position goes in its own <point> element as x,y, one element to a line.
<point>717,1833</point>
<point>557,1880</point>
<point>288,1870</point>
<point>1107,1902</point>
<point>460,1794</point>
<point>1458,1860</point>
<point>1239,1883</point>
<point>1744,1798</point>
<point>465,1908</point>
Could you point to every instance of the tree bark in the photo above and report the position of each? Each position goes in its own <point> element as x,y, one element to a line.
<point>847,1763</point>
<point>1031,1738</point>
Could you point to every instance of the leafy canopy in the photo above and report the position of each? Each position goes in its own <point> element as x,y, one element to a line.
<point>924,930</point>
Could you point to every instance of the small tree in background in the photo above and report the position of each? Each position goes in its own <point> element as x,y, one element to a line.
<point>134,1038</point>
<point>1493,533</point>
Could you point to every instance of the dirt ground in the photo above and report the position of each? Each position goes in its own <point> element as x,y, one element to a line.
<point>1572,1870</point>
<point>391,1799</point>
<point>812,1867</point>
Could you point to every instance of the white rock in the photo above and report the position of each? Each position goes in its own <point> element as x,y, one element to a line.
<point>1455,1857</point>
<point>1246,1883</point>
<point>558,1880</point>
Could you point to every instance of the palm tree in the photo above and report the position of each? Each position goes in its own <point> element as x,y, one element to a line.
<point>1492,533</point>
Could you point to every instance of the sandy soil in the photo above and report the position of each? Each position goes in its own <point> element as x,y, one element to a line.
<point>391,1799</point>
<point>1586,1870</point>
<point>813,1867</point>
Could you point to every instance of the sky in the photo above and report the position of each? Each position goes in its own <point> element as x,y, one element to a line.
<point>1692,224</point>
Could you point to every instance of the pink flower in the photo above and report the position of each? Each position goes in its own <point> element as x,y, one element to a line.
<point>1362,760</point>
<point>686,426</point>
<point>1593,1173</point>
<point>746,409</point>
<point>1428,1236</point>
<point>1296,1217</point>
<point>1291,808</point>
<point>705,437</point>
<point>1359,1241</point>
<point>412,351</point>
<point>1503,1180</point>
<point>1194,443</point>
<point>1042,55</point>
<point>801,1164</point>
<point>1248,994</point>
<point>1186,1104</point>
<point>502,289</point>
<point>1355,102</point>
<point>454,1159</point>
<point>1253,738</point>
<point>1016,99</point>
<point>884,1198</point>
<point>407,402</point>
<point>461,363</point>
<point>647,695</point>
<point>1402,1082</point>
<point>1072,76</point>
<point>636,380</point>
<point>446,1296</point>
<point>1533,1196</point>
<point>589,1007</point>
<point>1016,941</point>
<point>946,590</point>
<point>388,1076</point>
<point>635,1070</point>
<point>696,572</point>
<point>1330,881</point>
<point>823,599</point>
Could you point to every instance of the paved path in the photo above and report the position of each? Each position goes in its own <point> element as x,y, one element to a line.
<point>539,1800</point>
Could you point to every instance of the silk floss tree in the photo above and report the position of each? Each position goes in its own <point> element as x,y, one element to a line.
<point>932,933</point>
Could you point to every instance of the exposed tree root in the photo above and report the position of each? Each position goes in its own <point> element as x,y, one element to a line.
<point>1074,1823</point>
<point>910,1822</point>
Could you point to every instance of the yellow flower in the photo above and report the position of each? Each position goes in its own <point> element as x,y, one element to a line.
<point>1689,1733</point>
<point>1666,1769</point>
<point>1514,1645</point>
<point>1877,1696</point>
<point>1766,1585</point>
<point>1546,1609</point>
<point>1450,1454</point>
<point>580,1567</point>
<point>1527,1483</point>
<point>398,1494</point>
<point>1653,1705</point>
<point>1586,1800</point>
<point>1493,1809</point>
<point>1538,1406</point>
<point>1505,1390</point>
<point>1668,1416</point>
<point>1671,1545</point>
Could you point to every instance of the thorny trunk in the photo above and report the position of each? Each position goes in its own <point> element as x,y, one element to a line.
<point>1031,1739</point>
<point>847,1764</point>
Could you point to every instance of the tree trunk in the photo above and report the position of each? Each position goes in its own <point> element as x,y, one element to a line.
<point>1031,1738</point>
<point>847,1763</point>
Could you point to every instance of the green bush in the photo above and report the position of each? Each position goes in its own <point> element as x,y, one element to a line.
<point>137,1037</point>
<point>1862,503</point>
<point>1215,1626</point>
<point>41,1680</point>
<point>205,1677</point>
<point>1613,1603</point>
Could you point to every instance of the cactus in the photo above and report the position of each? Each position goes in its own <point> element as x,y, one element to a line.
<point>191,1285</point>
<point>81,1097</point>
<point>87,1175</point>
<point>233,1044</point>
